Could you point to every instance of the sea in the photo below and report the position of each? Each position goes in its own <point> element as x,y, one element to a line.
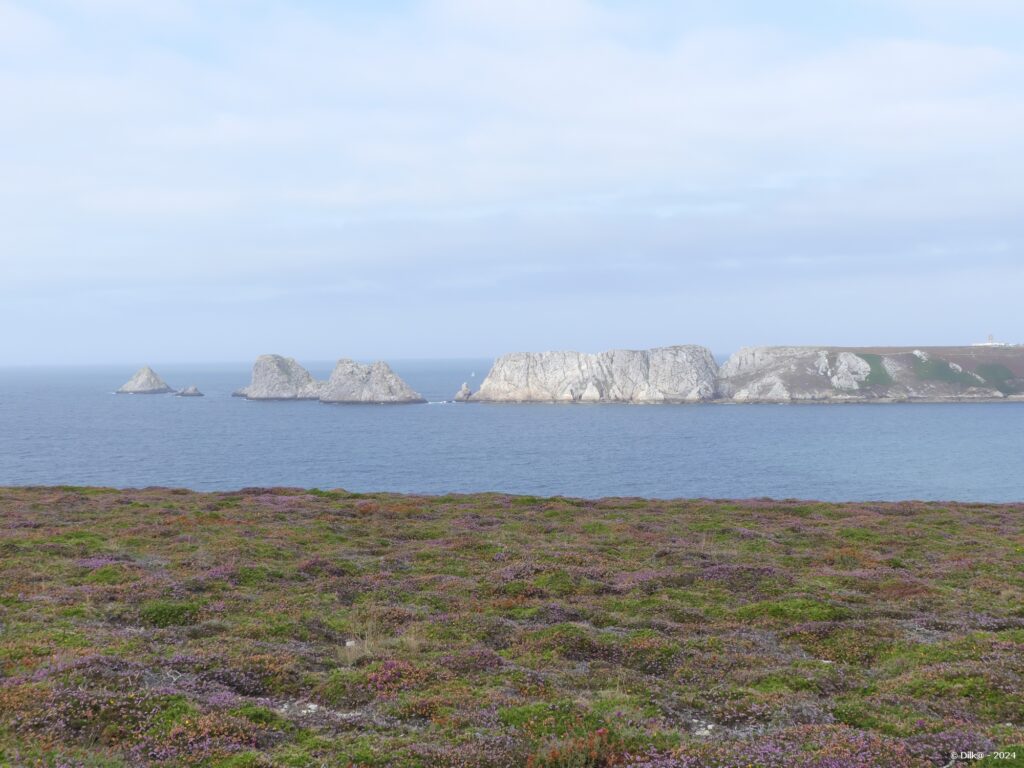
<point>65,426</point>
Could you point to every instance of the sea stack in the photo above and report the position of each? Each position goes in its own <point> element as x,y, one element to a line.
<point>352,382</point>
<point>191,391</point>
<point>678,374</point>
<point>145,382</point>
<point>280,378</point>
<point>464,394</point>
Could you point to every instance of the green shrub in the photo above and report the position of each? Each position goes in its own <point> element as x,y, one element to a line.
<point>544,719</point>
<point>256,575</point>
<point>937,369</point>
<point>172,710</point>
<point>344,688</point>
<point>879,377</point>
<point>107,574</point>
<point>260,716</point>
<point>793,609</point>
<point>168,613</point>
<point>242,760</point>
<point>998,376</point>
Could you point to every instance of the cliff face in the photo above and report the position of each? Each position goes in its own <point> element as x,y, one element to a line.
<point>794,374</point>
<point>757,374</point>
<point>352,382</point>
<point>144,382</point>
<point>282,378</point>
<point>665,375</point>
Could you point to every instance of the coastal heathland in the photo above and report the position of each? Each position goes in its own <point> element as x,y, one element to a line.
<point>301,628</point>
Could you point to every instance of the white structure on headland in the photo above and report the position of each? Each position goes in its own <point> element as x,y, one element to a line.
<point>991,342</point>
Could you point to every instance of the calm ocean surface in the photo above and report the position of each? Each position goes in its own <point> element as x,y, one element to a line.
<point>64,426</point>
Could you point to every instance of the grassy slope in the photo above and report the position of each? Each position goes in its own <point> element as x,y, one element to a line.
<point>298,628</point>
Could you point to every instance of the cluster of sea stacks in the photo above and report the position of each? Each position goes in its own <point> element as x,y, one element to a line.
<point>679,374</point>
<point>282,378</point>
<point>689,374</point>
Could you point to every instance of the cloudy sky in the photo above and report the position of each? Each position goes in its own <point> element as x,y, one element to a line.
<point>197,181</point>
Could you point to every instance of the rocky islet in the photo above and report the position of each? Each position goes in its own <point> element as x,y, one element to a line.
<point>282,378</point>
<point>144,382</point>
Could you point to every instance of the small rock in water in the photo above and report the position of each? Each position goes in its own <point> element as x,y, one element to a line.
<point>463,394</point>
<point>145,382</point>
<point>191,391</point>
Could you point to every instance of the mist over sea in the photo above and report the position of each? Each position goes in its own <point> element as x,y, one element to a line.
<point>64,426</point>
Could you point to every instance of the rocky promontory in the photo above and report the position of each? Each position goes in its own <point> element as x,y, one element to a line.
<point>684,374</point>
<point>282,378</point>
<point>863,374</point>
<point>144,382</point>
<point>678,374</point>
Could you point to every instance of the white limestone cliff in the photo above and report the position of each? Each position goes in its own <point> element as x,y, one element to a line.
<point>665,375</point>
<point>144,382</point>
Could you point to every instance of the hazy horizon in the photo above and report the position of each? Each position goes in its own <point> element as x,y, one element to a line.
<point>326,363</point>
<point>455,179</point>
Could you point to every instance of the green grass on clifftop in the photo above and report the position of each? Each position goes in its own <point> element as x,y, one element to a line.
<point>278,627</point>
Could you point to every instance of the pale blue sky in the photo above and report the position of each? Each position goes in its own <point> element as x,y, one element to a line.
<point>197,181</point>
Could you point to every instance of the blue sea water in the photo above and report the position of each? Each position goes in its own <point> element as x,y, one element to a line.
<point>64,426</point>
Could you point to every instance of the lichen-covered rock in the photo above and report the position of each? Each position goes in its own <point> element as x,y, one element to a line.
<point>145,382</point>
<point>280,378</point>
<point>797,374</point>
<point>665,375</point>
<point>352,382</point>
<point>190,391</point>
<point>463,394</point>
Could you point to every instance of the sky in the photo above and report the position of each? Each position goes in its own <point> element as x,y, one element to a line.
<point>183,180</point>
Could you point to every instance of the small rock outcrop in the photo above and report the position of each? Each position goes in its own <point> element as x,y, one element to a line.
<point>678,374</point>
<point>145,382</point>
<point>190,391</point>
<point>280,378</point>
<point>863,374</point>
<point>464,393</point>
<point>352,382</point>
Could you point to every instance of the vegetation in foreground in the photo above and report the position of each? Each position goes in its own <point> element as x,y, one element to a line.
<point>280,627</point>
